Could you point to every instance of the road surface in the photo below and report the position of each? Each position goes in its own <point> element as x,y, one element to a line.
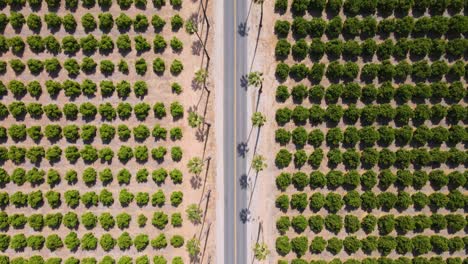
<point>235,131</point>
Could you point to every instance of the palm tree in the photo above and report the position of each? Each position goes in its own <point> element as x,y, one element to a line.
<point>193,247</point>
<point>256,79</point>
<point>195,165</point>
<point>261,251</point>
<point>200,76</point>
<point>194,213</point>
<point>195,120</point>
<point>191,28</point>
<point>258,119</point>
<point>258,163</point>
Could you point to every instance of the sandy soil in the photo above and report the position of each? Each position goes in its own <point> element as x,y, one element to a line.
<point>264,213</point>
<point>195,190</point>
<point>262,188</point>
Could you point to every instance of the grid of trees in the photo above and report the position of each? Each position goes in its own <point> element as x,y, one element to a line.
<point>92,133</point>
<point>370,115</point>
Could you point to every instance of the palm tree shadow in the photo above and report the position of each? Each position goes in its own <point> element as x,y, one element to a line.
<point>242,149</point>
<point>244,181</point>
<point>196,182</point>
<point>197,47</point>
<point>244,81</point>
<point>200,134</point>
<point>244,215</point>
<point>243,29</point>
<point>260,26</point>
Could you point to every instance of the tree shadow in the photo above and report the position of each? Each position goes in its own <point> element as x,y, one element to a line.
<point>244,215</point>
<point>242,149</point>
<point>243,29</point>
<point>244,181</point>
<point>201,133</point>
<point>244,81</point>
<point>197,47</point>
<point>196,181</point>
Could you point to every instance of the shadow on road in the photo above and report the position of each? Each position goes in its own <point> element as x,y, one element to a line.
<point>243,29</point>
<point>244,181</point>
<point>244,215</point>
<point>242,149</point>
<point>244,81</point>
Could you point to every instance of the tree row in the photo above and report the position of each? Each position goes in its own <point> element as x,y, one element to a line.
<point>88,133</point>
<point>418,245</point>
<point>369,27</point>
<point>105,22</point>
<point>370,157</point>
<point>104,4</point>
<point>352,180</point>
<point>89,220</point>
<point>72,199</point>
<point>88,242</point>
<point>88,44</point>
<point>36,177</point>
<point>369,136</point>
<point>89,66</point>
<point>87,110</point>
<point>90,199</point>
<point>364,7</point>
<point>88,153</point>
<point>335,71</point>
<point>352,200</point>
<point>370,114</point>
<point>73,89</point>
<point>72,221</point>
<point>381,260</point>
<point>384,224</point>
<point>144,259</point>
<point>352,92</point>
<point>352,50</point>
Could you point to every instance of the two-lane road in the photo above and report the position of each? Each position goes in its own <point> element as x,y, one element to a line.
<point>235,131</point>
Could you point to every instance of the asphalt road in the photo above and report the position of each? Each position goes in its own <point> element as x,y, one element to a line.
<point>235,131</point>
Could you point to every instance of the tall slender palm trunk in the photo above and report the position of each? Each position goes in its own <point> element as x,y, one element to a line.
<point>207,24</point>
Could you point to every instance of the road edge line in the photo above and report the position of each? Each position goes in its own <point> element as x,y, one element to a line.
<point>219,127</point>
